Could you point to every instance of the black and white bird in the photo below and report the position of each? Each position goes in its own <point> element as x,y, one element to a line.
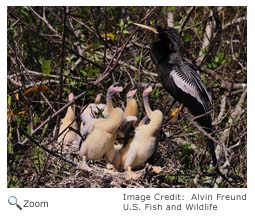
<point>180,78</point>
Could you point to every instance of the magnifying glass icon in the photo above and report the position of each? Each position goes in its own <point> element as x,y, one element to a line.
<point>12,200</point>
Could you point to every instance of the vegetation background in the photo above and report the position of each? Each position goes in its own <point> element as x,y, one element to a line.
<point>55,50</point>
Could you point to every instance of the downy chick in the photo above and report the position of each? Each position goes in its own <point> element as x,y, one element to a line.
<point>68,136</point>
<point>88,114</point>
<point>143,144</point>
<point>101,132</point>
<point>93,108</point>
<point>125,130</point>
<point>130,113</point>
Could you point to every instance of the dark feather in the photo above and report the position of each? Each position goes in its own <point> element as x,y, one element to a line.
<point>189,89</point>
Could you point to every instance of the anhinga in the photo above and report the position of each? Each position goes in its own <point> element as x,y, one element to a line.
<point>131,111</point>
<point>180,78</point>
<point>101,132</point>
<point>68,136</point>
<point>125,131</point>
<point>143,144</point>
<point>89,113</point>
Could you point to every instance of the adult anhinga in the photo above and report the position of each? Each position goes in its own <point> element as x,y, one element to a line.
<point>180,78</point>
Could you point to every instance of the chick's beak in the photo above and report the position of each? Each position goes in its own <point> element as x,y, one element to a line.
<point>154,30</point>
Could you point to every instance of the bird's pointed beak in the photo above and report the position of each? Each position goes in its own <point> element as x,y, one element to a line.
<point>131,93</point>
<point>147,91</point>
<point>154,30</point>
<point>118,89</point>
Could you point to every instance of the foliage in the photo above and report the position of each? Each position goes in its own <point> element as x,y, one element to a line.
<point>53,51</point>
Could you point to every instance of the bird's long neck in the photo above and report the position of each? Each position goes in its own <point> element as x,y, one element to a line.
<point>147,105</point>
<point>70,114</point>
<point>159,52</point>
<point>162,54</point>
<point>155,122</point>
<point>116,116</point>
<point>131,108</point>
<point>175,58</point>
<point>98,99</point>
<point>109,105</point>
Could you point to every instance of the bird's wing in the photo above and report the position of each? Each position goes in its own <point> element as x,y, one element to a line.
<point>191,71</point>
<point>186,79</point>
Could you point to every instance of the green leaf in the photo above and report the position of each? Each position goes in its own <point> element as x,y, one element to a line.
<point>137,59</point>
<point>121,24</point>
<point>83,73</point>
<point>188,38</point>
<point>171,8</point>
<point>9,100</point>
<point>152,22</point>
<point>155,93</point>
<point>46,66</point>
<point>217,61</point>
<point>12,182</point>
<point>125,32</point>
<point>25,11</point>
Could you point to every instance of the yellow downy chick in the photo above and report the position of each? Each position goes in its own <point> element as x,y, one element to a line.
<point>101,132</point>
<point>130,113</point>
<point>143,144</point>
<point>68,136</point>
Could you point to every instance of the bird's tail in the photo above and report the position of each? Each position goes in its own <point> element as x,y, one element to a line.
<point>211,146</point>
<point>212,151</point>
<point>206,123</point>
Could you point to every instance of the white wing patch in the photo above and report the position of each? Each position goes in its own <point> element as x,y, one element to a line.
<point>197,79</point>
<point>185,85</point>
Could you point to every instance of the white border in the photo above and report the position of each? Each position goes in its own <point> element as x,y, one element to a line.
<point>126,3</point>
<point>99,203</point>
